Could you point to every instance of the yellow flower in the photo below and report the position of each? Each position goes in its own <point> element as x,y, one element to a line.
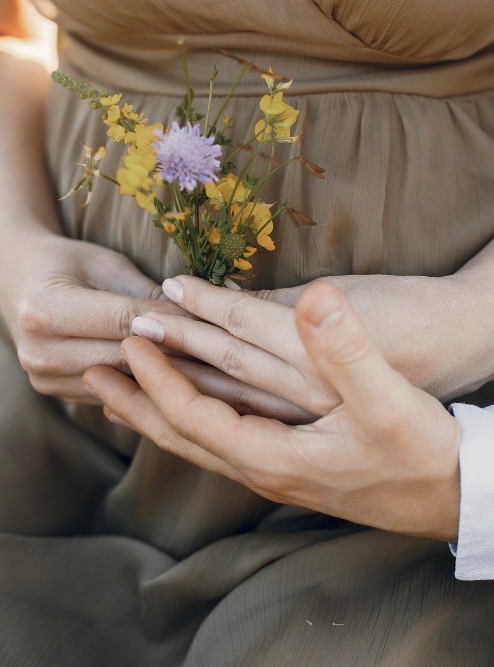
<point>221,193</point>
<point>145,200</point>
<point>275,84</point>
<point>260,222</point>
<point>142,137</point>
<point>135,173</point>
<point>214,236</point>
<point>100,154</point>
<point>169,227</point>
<point>249,251</point>
<point>117,133</point>
<point>129,114</point>
<point>259,213</point>
<point>242,264</point>
<point>110,100</point>
<point>268,78</point>
<point>265,240</point>
<point>279,118</point>
<point>175,215</point>
<point>112,115</point>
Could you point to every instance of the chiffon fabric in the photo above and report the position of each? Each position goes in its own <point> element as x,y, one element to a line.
<point>115,553</point>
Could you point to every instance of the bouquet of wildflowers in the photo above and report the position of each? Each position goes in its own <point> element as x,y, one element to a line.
<point>217,218</point>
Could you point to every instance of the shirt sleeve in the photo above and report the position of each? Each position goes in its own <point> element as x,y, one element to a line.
<point>475,548</point>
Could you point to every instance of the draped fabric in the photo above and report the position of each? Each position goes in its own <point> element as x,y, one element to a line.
<point>116,553</point>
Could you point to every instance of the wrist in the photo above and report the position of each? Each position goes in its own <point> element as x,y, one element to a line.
<point>473,292</point>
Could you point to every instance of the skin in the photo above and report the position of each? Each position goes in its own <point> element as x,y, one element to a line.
<point>385,456</point>
<point>41,305</point>
<point>44,303</point>
<point>12,19</point>
<point>51,283</point>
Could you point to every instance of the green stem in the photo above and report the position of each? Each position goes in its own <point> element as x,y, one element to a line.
<point>213,261</point>
<point>108,178</point>
<point>237,150</point>
<point>210,100</point>
<point>185,69</point>
<point>227,99</point>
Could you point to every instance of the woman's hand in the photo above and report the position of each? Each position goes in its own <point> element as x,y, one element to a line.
<point>262,366</point>
<point>437,332</point>
<point>68,305</point>
<point>387,456</point>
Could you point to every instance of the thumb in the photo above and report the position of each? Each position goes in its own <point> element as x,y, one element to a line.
<point>341,349</point>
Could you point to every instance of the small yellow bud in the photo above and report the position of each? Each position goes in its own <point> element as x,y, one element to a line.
<point>169,227</point>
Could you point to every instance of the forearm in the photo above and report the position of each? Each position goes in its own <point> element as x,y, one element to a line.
<point>435,331</point>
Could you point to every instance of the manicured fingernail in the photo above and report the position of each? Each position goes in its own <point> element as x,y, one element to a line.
<point>231,285</point>
<point>150,329</point>
<point>328,312</point>
<point>173,290</point>
<point>90,390</point>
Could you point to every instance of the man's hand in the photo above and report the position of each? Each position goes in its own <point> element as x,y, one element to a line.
<point>387,456</point>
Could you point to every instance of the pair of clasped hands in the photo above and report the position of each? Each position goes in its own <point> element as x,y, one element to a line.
<point>295,403</point>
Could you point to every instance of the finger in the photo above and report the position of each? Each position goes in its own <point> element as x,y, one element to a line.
<point>231,355</point>
<point>265,324</point>
<point>342,350</point>
<point>203,420</point>
<point>243,398</point>
<point>69,389</point>
<point>66,357</point>
<point>129,403</point>
<point>84,313</point>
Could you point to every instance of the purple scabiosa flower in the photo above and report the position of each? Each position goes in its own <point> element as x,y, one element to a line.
<point>185,156</point>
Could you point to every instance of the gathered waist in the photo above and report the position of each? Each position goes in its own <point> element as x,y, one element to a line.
<point>151,66</point>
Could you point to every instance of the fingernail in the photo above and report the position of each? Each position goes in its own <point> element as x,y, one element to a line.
<point>173,290</point>
<point>147,328</point>
<point>328,312</point>
<point>231,285</point>
<point>90,390</point>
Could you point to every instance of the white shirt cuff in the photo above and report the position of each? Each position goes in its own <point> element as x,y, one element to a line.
<point>475,548</point>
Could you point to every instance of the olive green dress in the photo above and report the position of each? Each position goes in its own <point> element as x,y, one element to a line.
<point>115,553</point>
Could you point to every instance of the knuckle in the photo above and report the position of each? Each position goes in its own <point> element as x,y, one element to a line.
<point>241,401</point>
<point>33,316</point>
<point>230,360</point>
<point>36,360</point>
<point>350,350</point>
<point>121,321</point>
<point>41,385</point>
<point>235,317</point>
<point>29,359</point>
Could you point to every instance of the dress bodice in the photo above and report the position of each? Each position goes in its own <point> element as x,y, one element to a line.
<point>417,30</point>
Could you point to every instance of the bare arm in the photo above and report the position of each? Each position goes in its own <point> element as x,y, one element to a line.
<point>26,194</point>
<point>66,304</point>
